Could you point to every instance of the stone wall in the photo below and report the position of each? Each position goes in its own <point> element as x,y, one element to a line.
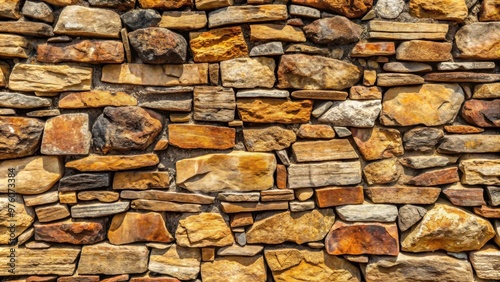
<point>247,141</point>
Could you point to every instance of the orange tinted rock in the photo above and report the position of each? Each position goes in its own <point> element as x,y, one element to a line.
<point>359,92</point>
<point>276,32</point>
<point>268,138</point>
<point>19,136</point>
<point>141,180</point>
<point>241,219</point>
<point>268,110</point>
<point>217,45</point>
<point>190,136</point>
<point>86,51</point>
<point>348,8</point>
<point>281,176</point>
<point>378,143</point>
<point>72,232</point>
<point>443,228</point>
<point>203,230</point>
<point>101,196</point>
<point>362,238</point>
<point>316,131</point>
<point>113,163</point>
<point>337,196</point>
<point>66,134</point>
<point>130,227</point>
<point>424,51</point>
<point>96,99</point>
<point>452,10</point>
<point>490,11</point>
<point>403,195</point>
<point>368,49</point>
<point>488,212</point>
<point>436,177</point>
<point>462,129</point>
<point>165,4</point>
<point>482,113</point>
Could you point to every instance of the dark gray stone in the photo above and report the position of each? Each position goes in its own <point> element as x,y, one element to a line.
<point>136,19</point>
<point>84,181</point>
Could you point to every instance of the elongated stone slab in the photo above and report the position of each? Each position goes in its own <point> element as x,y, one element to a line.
<point>214,103</point>
<point>218,44</point>
<point>14,46</point>
<point>86,51</point>
<point>247,14</point>
<point>177,261</point>
<point>320,94</point>
<point>269,110</point>
<point>27,28</point>
<point>98,209</point>
<point>353,113</point>
<point>141,180</point>
<point>337,149</point>
<point>436,266</point>
<point>389,26</point>
<point>183,20</point>
<point>424,51</point>
<point>315,72</point>
<point>190,136</point>
<point>269,138</point>
<point>95,99</point>
<point>253,207</point>
<point>436,177</point>
<point>484,262</point>
<point>50,78</point>
<point>240,269</point>
<point>324,174</point>
<point>156,75</point>
<point>368,212</point>
<point>299,227</point>
<point>478,41</point>
<point>248,72</point>
<point>160,206</point>
<point>368,49</point>
<point>113,259</point>
<point>236,171</point>
<point>113,163</point>
<point>168,196</point>
<point>276,32</point>
<point>470,143</point>
<point>66,134</point>
<point>362,238</point>
<point>53,261</point>
<point>337,196</point>
<point>77,20</point>
<point>407,35</point>
<point>480,171</point>
<point>72,232</point>
<point>462,77</point>
<point>84,181</point>
<point>398,79</point>
<point>402,194</point>
<point>21,101</point>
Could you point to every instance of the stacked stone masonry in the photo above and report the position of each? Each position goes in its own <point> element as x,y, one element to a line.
<point>249,140</point>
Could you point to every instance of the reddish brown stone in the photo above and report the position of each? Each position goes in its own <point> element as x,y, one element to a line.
<point>482,113</point>
<point>281,176</point>
<point>86,51</point>
<point>72,232</point>
<point>269,110</point>
<point>336,30</point>
<point>117,278</point>
<point>488,212</point>
<point>191,136</point>
<point>462,129</point>
<point>359,92</point>
<point>424,51</point>
<point>19,136</point>
<point>316,131</point>
<point>131,227</point>
<point>348,8</point>
<point>436,177</point>
<point>403,195</point>
<point>241,219</point>
<point>337,196</point>
<point>79,278</point>
<point>66,134</point>
<point>51,278</point>
<point>368,49</point>
<point>362,238</point>
<point>156,45</point>
<point>465,196</point>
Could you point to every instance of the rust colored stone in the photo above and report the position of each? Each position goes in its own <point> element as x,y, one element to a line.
<point>72,232</point>
<point>368,49</point>
<point>66,134</point>
<point>403,195</point>
<point>462,129</point>
<point>96,99</point>
<point>268,110</point>
<point>482,113</point>
<point>133,227</point>
<point>436,177</point>
<point>337,196</point>
<point>217,45</point>
<point>19,136</point>
<point>190,136</point>
<point>348,8</point>
<point>378,143</point>
<point>316,131</point>
<point>487,211</point>
<point>362,238</point>
<point>281,176</point>
<point>86,51</point>
<point>465,196</point>
<point>113,163</point>
<point>165,4</point>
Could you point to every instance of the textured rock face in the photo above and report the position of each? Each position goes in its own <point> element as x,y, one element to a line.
<point>24,217</point>
<point>297,227</point>
<point>86,51</point>
<point>352,113</point>
<point>156,45</point>
<point>450,223</point>
<point>202,230</point>
<point>72,232</point>
<point>378,143</point>
<point>454,10</point>
<point>91,22</point>
<point>127,228</point>
<point>313,72</point>
<point>238,171</point>
<point>179,262</point>
<point>269,110</point>
<point>218,44</point>
<point>124,128</point>
<point>432,265</point>
<point>66,135</point>
<point>339,30</point>
<point>348,8</point>
<point>266,139</point>
<point>248,72</point>
<point>478,41</point>
<point>199,136</point>
<point>308,264</point>
<point>440,105</point>
<point>482,113</point>
<point>233,268</point>
<point>19,137</point>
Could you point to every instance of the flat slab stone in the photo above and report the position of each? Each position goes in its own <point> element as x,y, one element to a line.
<point>98,209</point>
<point>420,162</point>
<point>50,78</point>
<point>128,228</point>
<point>389,26</point>
<point>362,238</point>
<point>424,51</point>
<point>92,22</point>
<point>403,195</point>
<point>86,51</point>
<point>56,260</point>
<point>368,212</point>
<point>269,110</point>
<point>113,163</point>
<point>464,196</point>
<point>212,103</point>
<point>238,268</point>
<point>253,207</point>
<point>84,181</point>
<point>248,72</point>
<point>462,77</point>
<point>484,262</point>
<point>66,134</point>
<point>337,196</point>
<point>436,177</point>
<point>245,251</point>
<point>265,93</point>
<point>21,101</point>
<point>337,149</point>
<point>156,75</point>
<point>480,171</point>
<point>465,65</point>
<point>239,197</point>
<point>299,227</point>
<point>14,46</point>
<point>113,259</point>
<point>320,94</point>
<point>315,72</point>
<point>274,48</point>
<point>95,99</point>
<point>478,41</point>
<point>436,265</point>
<point>161,206</point>
<point>177,261</point>
<point>324,174</point>
<point>203,230</point>
<point>407,35</point>
<point>407,67</point>
<point>178,197</point>
<point>486,91</point>
<point>369,49</point>
<point>277,32</point>
<point>247,14</point>
<point>190,136</point>
<point>183,20</point>
<point>27,28</point>
<point>72,232</point>
<point>470,143</point>
<point>268,138</point>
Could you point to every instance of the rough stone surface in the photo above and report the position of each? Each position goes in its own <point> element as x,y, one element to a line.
<point>423,139</point>
<point>381,172</point>
<point>183,20</point>
<point>324,174</point>
<point>156,45</point>
<point>248,72</point>
<point>143,18</point>
<point>66,134</point>
<point>337,196</point>
<point>300,227</point>
<point>470,143</point>
<point>247,14</point>
<point>85,51</point>
<point>350,9</point>
<point>314,72</point>
<point>454,10</point>
<point>201,136</point>
<point>269,110</point>
<point>368,212</point>
<point>482,113</point>
<point>214,104</point>
<point>234,268</point>
<point>203,230</point>
<point>218,44</point>
<point>128,228</point>
<point>480,171</point>
<point>337,30</point>
<point>484,262</point>
<point>24,217</point>
<point>424,51</point>
<point>82,21</point>
<point>353,113</point>
<point>403,194</point>
<point>267,139</point>
<point>179,262</point>
<point>72,232</point>
<point>96,99</point>
<point>113,163</point>
<point>389,9</point>
<point>378,143</point>
<point>478,41</point>
<point>310,151</point>
<point>19,136</point>
<point>451,223</point>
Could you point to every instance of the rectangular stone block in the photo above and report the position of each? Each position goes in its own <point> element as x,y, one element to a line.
<point>337,196</point>
<point>324,174</point>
